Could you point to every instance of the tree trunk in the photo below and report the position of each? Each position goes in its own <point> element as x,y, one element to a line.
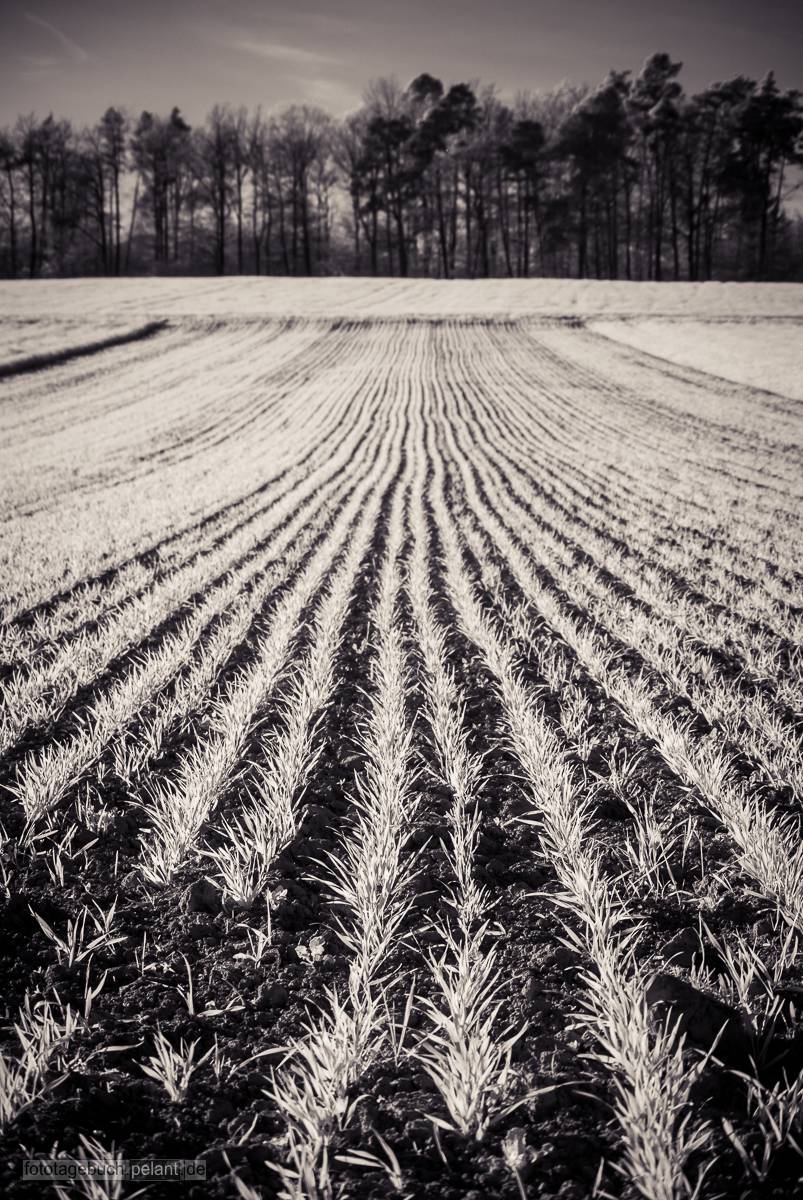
<point>443,238</point>
<point>33,247</point>
<point>305,238</point>
<point>12,221</point>
<point>100,200</point>
<point>117,221</point>
<point>355,216</point>
<point>131,226</point>
<point>582,236</point>
<point>239,194</point>
<point>282,229</point>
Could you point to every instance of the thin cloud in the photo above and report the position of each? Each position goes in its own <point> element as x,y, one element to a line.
<point>39,62</point>
<point>73,51</point>
<point>340,98</point>
<point>277,52</point>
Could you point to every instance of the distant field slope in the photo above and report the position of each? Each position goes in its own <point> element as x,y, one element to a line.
<point>33,344</point>
<point>400,737</point>
<point>135,299</point>
<point>763,353</point>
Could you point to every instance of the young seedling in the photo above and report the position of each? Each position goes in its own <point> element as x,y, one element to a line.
<point>73,947</point>
<point>389,1164</point>
<point>173,1069</point>
<point>775,1117</point>
<point>107,1185</point>
<point>518,1156</point>
<point>43,1030</point>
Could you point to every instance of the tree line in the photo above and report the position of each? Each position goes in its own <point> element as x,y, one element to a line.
<point>633,179</point>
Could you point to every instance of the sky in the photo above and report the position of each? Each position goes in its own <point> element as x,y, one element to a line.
<point>76,57</point>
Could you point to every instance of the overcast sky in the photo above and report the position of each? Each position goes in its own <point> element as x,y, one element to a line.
<point>76,57</point>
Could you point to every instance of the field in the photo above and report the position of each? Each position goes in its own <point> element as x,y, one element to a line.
<point>400,736</point>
